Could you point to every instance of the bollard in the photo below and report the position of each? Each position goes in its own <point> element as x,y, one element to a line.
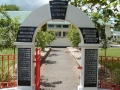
<point>38,62</point>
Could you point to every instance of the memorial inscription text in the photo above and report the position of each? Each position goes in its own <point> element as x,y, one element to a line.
<point>25,34</point>
<point>90,35</point>
<point>90,73</point>
<point>24,66</point>
<point>58,9</point>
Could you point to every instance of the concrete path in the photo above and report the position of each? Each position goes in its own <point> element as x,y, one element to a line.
<point>59,71</point>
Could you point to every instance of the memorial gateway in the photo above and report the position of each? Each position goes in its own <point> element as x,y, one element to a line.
<point>58,10</point>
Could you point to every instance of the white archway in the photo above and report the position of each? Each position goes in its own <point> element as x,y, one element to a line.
<point>89,37</point>
<point>42,15</point>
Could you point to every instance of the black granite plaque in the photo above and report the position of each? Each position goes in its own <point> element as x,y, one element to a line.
<point>58,9</point>
<point>25,34</point>
<point>24,66</point>
<point>90,35</point>
<point>90,73</point>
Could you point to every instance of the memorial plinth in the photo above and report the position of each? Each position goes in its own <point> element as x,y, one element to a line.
<point>25,69</point>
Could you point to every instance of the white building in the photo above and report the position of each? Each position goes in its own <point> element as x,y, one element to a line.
<point>116,35</point>
<point>61,29</point>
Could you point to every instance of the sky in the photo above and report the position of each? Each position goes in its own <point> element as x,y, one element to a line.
<point>26,5</point>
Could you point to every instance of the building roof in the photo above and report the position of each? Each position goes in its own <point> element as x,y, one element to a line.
<point>116,33</point>
<point>21,14</point>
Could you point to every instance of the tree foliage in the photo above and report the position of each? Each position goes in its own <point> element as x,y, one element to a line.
<point>100,12</point>
<point>74,37</point>
<point>10,7</point>
<point>44,37</point>
<point>8,29</point>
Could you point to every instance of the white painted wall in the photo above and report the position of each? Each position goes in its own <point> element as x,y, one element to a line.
<point>60,42</point>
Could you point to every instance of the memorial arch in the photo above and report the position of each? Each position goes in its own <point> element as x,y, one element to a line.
<point>59,10</point>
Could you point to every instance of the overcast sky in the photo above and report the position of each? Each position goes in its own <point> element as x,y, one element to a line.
<point>26,5</point>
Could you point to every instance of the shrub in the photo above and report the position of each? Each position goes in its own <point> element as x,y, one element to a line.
<point>74,37</point>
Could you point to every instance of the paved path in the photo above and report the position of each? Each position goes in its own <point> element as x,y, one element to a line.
<point>59,71</point>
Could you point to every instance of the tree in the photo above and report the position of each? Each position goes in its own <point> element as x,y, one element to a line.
<point>100,12</point>
<point>11,7</point>
<point>8,29</point>
<point>44,27</point>
<point>44,37</point>
<point>74,37</point>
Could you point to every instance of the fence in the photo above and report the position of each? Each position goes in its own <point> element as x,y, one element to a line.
<point>7,71</point>
<point>109,73</point>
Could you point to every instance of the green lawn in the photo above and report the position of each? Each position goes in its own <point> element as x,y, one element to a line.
<point>110,52</point>
<point>5,62</point>
<point>7,51</point>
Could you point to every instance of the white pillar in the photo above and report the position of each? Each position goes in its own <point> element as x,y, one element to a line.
<point>25,65</point>
<point>108,30</point>
<point>89,63</point>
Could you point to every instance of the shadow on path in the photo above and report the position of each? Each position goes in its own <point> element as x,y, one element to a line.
<point>53,50</point>
<point>51,55</point>
<point>49,62</point>
<point>45,82</point>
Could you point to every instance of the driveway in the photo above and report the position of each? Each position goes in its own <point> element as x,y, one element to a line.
<point>59,71</point>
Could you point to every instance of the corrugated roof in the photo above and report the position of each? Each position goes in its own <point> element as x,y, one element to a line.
<point>21,14</point>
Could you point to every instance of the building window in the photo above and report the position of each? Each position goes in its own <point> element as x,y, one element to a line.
<point>64,34</point>
<point>51,26</point>
<point>65,26</point>
<point>60,34</point>
<point>58,26</point>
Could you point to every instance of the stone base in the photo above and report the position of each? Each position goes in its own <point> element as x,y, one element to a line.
<point>80,87</point>
<point>25,88</point>
<point>20,88</point>
<point>14,88</point>
<point>87,88</point>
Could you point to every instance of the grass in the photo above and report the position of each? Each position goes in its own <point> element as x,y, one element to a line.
<point>115,52</point>
<point>114,66</point>
<point>7,51</point>
<point>5,62</point>
<point>110,52</point>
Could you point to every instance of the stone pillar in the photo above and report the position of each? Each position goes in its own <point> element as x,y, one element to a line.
<point>25,65</point>
<point>89,63</point>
